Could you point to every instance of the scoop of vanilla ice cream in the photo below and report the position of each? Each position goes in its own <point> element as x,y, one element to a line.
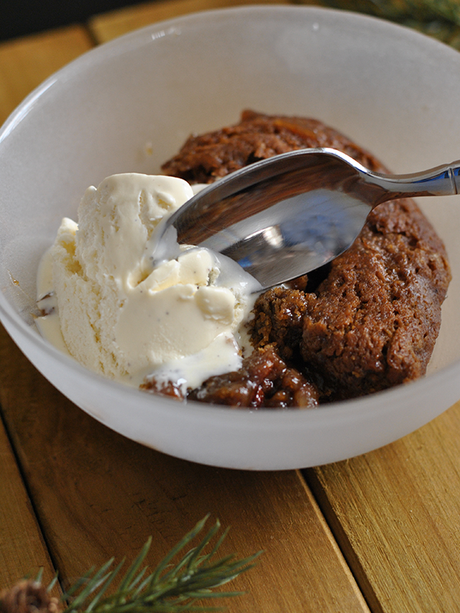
<point>120,320</point>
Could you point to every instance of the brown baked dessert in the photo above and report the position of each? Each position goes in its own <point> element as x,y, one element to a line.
<point>207,157</point>
<point>264,380</point>
<point>366,322</point>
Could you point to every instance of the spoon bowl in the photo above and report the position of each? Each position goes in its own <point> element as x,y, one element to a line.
<point>287,215</point>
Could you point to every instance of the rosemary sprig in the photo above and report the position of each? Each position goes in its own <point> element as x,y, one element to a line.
<point>173,587</point>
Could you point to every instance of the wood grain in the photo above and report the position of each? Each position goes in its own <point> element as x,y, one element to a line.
<point>396,513</point>
<point>22,549</point>
<point>26,62</point>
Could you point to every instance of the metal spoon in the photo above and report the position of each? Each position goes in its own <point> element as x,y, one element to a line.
<point>287,215</point>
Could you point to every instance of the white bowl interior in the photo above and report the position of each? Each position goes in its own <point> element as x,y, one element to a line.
<point>129,105</point>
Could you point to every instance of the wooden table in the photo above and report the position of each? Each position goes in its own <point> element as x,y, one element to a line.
<point>379,532</point>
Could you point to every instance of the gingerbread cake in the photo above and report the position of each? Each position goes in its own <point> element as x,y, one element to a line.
<point>366,322</point>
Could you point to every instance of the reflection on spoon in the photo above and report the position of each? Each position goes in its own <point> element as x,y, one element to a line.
<point>289,214</point>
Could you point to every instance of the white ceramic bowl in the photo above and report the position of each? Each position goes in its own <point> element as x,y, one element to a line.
<point>392,90</point>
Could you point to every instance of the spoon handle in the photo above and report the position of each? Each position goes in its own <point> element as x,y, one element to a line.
<point>439,181</point>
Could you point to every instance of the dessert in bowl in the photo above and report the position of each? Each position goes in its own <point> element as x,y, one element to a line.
<point>129,105</point>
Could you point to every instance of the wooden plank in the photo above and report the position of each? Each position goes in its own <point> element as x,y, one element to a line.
<point>98,494</point>
<point>22,550</point>
<point>395,512</point>
<point>26,62</point>
<point>110,25</point>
